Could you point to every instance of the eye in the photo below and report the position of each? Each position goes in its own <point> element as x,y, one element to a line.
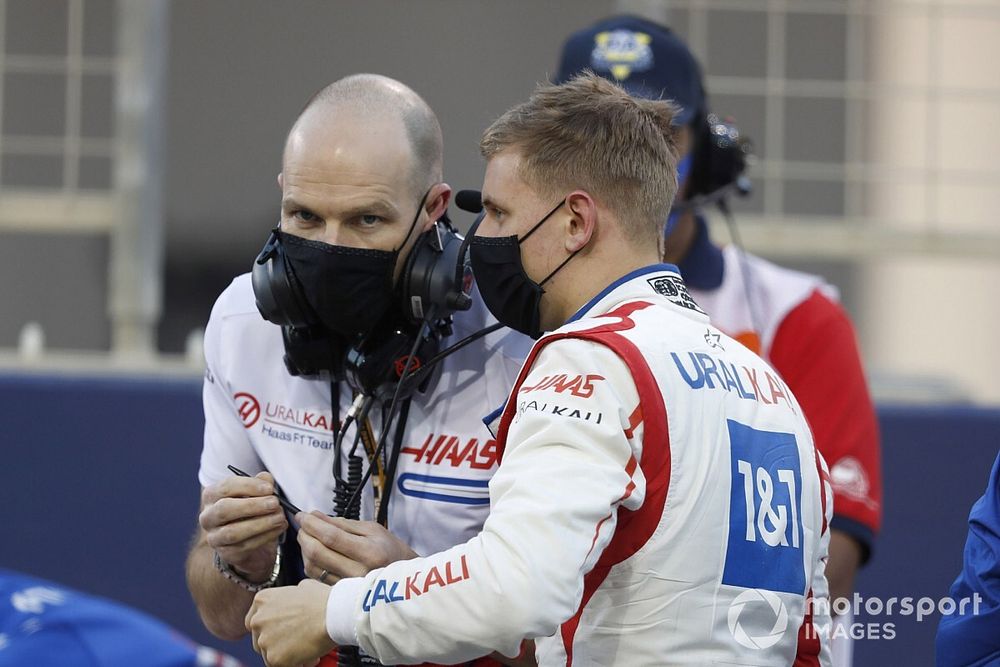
<point>304,216</point>
<point>369,220</point>
<point>495,213</point>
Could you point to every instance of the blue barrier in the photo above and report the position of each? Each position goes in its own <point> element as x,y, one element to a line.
<point>100,492</point>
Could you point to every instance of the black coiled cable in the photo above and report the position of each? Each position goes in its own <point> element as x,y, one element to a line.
<point>346,502</point>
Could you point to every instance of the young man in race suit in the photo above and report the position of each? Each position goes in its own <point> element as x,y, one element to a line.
<point>659,500</point>
<point>361,177</point>
<point>789,318</point>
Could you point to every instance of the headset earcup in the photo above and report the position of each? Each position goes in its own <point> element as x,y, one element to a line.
<point>420,259</point>
<point>719,157</point>
<point>700,178</point>
<point>276,291</point>
<point>432,276</point>
<point>455,274</point>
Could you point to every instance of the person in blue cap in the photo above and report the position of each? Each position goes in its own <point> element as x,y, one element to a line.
<point>790,318</point>
<point>43,624</point>
<point>971,635</point>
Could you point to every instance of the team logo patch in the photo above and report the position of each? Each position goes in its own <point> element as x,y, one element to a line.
<point>401,363</point>
<point>442,449</point>
<point>621,52</point>
<point>714,339</point>
<point>765,519</point>
<point>248,408</point>
<point>674,289</point>
<point>417,584</point>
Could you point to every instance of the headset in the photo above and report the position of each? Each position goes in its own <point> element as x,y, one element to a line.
<point>718,161</point>
<point>435,282</point>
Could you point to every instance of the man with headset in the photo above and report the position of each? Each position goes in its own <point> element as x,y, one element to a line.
<point>362,275</point>
<point>790,318</point>
<point>659,499</point>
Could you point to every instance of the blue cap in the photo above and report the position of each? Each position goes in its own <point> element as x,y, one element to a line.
<point>645,58</point>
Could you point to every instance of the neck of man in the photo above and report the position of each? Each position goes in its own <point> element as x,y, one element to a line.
<point>588,274</point>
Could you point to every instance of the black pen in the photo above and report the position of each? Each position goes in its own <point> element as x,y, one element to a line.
<point>277,492</point>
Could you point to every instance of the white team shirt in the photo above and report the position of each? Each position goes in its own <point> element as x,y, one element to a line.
<point>258,417</point>
<point>659,502</point>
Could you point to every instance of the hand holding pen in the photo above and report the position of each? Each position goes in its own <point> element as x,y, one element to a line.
<point>282,499</point>
<point>242,520</point>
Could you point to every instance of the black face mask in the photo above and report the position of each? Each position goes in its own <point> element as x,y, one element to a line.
<point>507,291</point>
<point>350,289</point>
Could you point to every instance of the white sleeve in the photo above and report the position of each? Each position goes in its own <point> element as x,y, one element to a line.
<point>553,510</point>
<point>226,441</point>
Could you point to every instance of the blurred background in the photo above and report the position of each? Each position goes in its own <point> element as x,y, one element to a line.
<point>140,142</point>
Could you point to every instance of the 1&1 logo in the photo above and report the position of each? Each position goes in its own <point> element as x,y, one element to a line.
<point>751,613</point>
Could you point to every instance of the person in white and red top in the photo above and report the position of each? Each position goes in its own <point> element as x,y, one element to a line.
<point>791,319</point>
<point>659,500</point>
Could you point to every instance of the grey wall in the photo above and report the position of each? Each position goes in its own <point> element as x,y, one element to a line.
<point>242,69</point>
<point>58,281</point>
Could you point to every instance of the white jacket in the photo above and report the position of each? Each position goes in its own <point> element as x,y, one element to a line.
<point>659,501</point>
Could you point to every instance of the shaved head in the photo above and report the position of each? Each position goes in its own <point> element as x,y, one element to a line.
<point>372,97</point>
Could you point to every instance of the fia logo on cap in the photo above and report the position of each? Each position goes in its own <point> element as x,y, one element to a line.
<point>621,52</point>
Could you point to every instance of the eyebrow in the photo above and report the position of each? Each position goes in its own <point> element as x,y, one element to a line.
<point>379,207</point>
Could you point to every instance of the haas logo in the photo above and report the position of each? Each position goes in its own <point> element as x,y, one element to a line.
<point>402,362</point>
<point>247,407</point>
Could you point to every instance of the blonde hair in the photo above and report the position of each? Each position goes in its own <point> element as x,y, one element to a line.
<point>588,133</point>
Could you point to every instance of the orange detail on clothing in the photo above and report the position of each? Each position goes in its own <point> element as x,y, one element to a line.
<point>750,340</point>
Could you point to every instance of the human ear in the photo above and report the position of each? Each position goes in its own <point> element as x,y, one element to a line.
<point>436,203</point>
<point>582,222</point>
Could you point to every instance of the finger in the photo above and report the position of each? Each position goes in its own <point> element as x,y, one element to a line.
<point>324,575</point>
<point>318,557</point>
<point>239,487</point>
<point>351,526</point>
<point>241,528</point>
<point>228,510</point>
<point>333,534</point>
<point>248,534</point>
<point>248,623</point>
